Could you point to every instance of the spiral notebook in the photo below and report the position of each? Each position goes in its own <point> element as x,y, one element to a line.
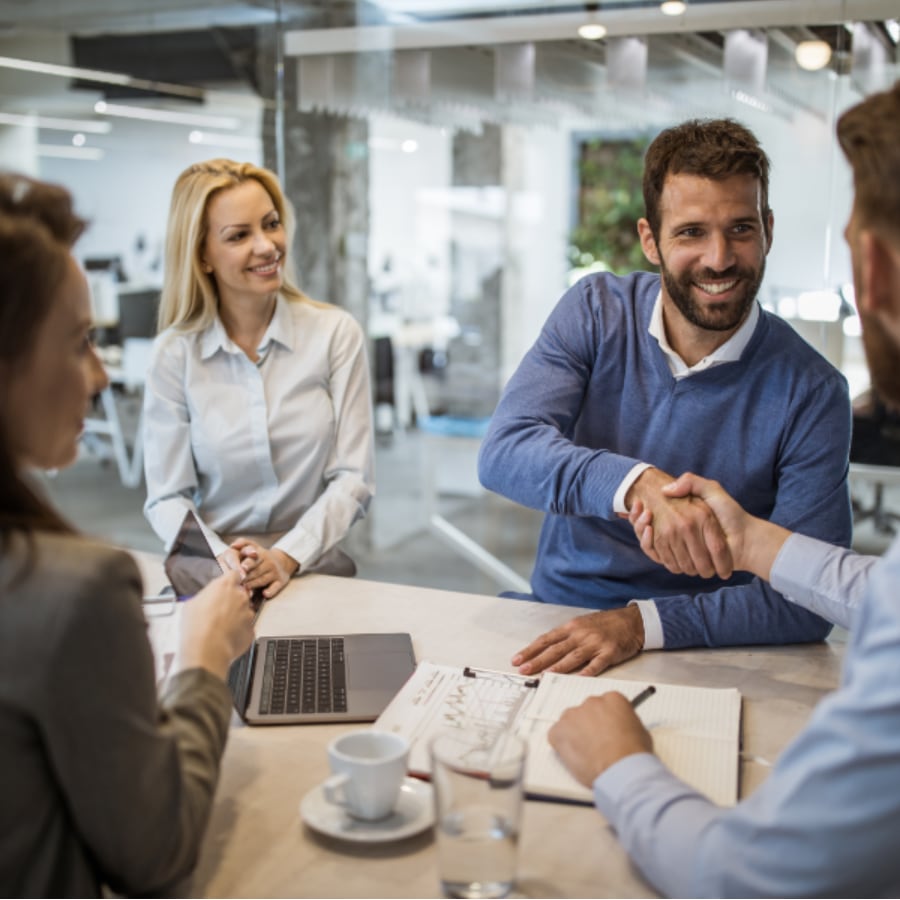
<point>696,731</point>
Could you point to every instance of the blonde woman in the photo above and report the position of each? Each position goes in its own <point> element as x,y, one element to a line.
<point>257,404</point>
<point>103,784</point>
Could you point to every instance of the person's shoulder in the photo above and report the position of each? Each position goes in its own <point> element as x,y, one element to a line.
<point>609,288</point>
<point>82,561</point>
<point>172,344</point>
<point>63,585</point>
<point>325,315</point>
<point>610,301</point>
<point>784,342</point>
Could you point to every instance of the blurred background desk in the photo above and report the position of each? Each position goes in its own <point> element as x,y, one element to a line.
<point>257,845</point>
<point>125,322</point>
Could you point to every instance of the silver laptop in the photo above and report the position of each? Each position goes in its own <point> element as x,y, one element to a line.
<point>298,678</point>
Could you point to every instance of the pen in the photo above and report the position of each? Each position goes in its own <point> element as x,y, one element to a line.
<point>645,694</point>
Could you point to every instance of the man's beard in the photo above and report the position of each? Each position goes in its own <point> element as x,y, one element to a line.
<point>881,355</point>
<point>724,316</point>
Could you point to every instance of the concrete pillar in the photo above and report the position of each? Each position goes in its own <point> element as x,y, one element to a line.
<point>326,178</point>
<point>477,261</point>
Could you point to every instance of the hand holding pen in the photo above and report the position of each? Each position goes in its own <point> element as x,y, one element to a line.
<point>603,730</point>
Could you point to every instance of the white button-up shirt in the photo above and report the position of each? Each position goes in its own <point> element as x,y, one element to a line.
<point>280,450</point>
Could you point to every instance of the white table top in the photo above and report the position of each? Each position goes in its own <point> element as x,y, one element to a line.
<point>257,845</point>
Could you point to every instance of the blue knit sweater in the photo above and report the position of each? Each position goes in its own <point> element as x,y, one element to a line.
<point>594,396</point>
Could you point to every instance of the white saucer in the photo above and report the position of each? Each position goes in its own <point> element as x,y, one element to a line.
<point>414,813</point>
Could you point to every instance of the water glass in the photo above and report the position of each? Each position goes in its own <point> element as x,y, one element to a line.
<point>477,781</point>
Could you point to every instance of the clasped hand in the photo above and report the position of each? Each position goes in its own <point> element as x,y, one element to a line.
<point>264,568</point>
<point>686,536</point>
<point>676,528</point>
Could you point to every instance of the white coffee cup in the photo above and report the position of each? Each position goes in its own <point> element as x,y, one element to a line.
<point>368,769</point>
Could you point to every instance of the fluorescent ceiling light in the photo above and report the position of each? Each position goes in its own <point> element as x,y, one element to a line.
<point>28,65</point>
<point>673,7</point>
<point>65,152</point>
<point>39,68</point>
<point>813,55</point>
<point>216,139</point>
<point>53,122</point>
<point>171,117</point>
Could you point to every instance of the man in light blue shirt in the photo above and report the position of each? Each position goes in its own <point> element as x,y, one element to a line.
<point>826,821</point>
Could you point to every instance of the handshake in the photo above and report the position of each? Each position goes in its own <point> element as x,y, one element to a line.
<point>692,526</point>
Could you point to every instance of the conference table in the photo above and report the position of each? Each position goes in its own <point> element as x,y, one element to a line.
<point>257,844</point>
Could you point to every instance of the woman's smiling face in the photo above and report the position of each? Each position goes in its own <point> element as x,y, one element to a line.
<point>245,242</point>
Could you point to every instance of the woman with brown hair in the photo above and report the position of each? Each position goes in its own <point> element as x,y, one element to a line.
<point>103,784</point>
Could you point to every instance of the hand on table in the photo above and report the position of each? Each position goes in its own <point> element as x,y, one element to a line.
<point>265,569</point>
<point>591,737</point>
<point>594,641</point>
<point>753,543</point>
<point>686,537</point>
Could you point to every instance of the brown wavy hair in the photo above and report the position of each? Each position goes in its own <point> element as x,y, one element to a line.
<point>868,136</point>
<point>38,227</point>
<point>711,148</point>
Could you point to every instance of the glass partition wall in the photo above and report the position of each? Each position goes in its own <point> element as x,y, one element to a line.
<point>453,166</point>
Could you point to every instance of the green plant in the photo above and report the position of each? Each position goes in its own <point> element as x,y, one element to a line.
<point>610,202</point>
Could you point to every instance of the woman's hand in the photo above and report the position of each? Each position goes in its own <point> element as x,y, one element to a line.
<point>216,625</point>
<point>265,569</point>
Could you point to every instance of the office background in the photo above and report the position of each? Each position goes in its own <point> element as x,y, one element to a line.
<point>437,155</point>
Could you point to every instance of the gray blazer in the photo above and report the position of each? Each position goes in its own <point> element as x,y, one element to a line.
<point>101,782</point>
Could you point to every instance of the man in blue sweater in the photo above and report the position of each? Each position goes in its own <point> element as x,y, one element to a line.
<point>824,823</point>
<point>636,379</point>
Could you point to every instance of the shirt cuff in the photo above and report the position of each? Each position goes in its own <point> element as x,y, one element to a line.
<point>653,630</point>
<point>798,564</point>
<point>632,476</point>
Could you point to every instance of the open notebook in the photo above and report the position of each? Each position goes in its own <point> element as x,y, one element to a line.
<point>696,731</point>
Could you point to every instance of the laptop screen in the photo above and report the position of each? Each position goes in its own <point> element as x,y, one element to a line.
<point>191,563</point>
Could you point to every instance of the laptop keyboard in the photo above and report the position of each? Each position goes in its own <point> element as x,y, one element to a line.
<point>304,676</point>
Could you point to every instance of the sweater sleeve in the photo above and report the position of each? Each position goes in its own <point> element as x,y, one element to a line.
<point>812,499</point>
<point>138,775</point>
<point>528,454</point>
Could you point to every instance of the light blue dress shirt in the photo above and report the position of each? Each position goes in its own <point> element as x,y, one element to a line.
<point>827,820</point>
<point>280,450</point>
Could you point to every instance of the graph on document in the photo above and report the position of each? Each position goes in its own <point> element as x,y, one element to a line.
<point>444,698</point>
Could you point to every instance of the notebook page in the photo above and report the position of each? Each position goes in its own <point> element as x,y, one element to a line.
<point>696,733</point>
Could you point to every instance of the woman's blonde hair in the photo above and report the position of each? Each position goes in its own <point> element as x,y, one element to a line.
<point>189,301</point>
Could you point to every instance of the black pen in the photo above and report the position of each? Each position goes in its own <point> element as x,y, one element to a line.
<point>645,694</point>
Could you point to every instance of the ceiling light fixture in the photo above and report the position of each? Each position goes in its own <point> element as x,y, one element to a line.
<point>813,55</point>
<point>60,151</point>
<point>52,122</point>
<point>893,29</point>
<point>214,139</point>
<point>592,30</point>
<point>673,7</point>
<point>169,116</point>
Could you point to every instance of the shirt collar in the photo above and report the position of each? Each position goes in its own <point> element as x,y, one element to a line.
<point>280,330</point>
<point>730,351</point>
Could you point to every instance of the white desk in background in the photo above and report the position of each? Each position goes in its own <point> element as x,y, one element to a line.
<point>257,845</point>
<point>127,372</point>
